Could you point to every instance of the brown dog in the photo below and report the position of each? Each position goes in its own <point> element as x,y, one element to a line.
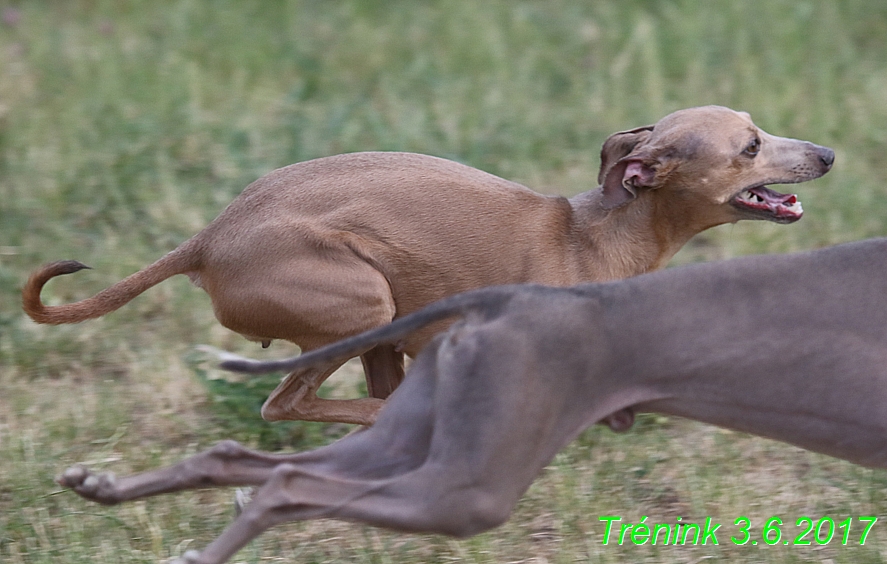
<point>325,249</point>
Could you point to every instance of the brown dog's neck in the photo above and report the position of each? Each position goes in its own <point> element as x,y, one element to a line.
<point>625,241</point>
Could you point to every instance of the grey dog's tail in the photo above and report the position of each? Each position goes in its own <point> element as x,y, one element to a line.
<point>483,300</point>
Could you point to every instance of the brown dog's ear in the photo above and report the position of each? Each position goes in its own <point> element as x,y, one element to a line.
<point>622,168</point>
<point>620,145</point>
<point>624,178</point>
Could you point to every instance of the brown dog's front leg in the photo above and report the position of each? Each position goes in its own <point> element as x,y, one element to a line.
<point>383,366</point>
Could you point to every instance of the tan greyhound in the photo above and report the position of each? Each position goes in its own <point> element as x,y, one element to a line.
<point>325,249</point>
<point>790,347</point>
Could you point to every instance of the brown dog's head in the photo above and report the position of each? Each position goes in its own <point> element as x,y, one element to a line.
<point>713,160</point>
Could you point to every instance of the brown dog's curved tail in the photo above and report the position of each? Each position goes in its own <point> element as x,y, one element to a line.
<point>109,299</point>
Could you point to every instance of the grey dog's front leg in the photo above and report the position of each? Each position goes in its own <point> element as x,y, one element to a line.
<point>226,464</point>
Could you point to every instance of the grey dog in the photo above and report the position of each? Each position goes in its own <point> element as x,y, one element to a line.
<point>790,347</point>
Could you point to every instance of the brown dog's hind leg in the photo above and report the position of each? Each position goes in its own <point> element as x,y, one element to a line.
<point>383,366</point>
<point>315,297</point>
<point>296,399</point>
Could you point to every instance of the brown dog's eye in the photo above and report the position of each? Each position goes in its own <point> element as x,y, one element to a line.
<point>754,147</point>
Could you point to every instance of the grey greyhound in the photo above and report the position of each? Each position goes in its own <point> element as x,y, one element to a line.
<point>790,347</point>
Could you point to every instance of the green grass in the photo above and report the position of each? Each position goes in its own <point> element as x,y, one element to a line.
<point>126,126</point>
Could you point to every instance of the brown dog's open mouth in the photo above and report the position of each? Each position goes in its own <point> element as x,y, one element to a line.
<point>764,203</point>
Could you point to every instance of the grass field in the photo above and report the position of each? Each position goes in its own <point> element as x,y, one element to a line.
<point>126,126</point>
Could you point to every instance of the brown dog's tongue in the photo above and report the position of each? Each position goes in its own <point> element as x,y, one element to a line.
<point>773,197</point>
<point>785,207</point>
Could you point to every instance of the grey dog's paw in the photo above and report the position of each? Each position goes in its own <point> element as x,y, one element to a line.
<point>96,487</point>
<point>190,557</point>
<point>242,497</point>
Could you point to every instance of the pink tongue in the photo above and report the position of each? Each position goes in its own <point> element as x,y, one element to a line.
<point>774,198</point>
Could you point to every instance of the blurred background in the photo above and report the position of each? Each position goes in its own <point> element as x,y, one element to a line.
<point>125,127</point>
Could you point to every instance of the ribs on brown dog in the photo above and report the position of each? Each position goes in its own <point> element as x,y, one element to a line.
<point>325,249</point>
